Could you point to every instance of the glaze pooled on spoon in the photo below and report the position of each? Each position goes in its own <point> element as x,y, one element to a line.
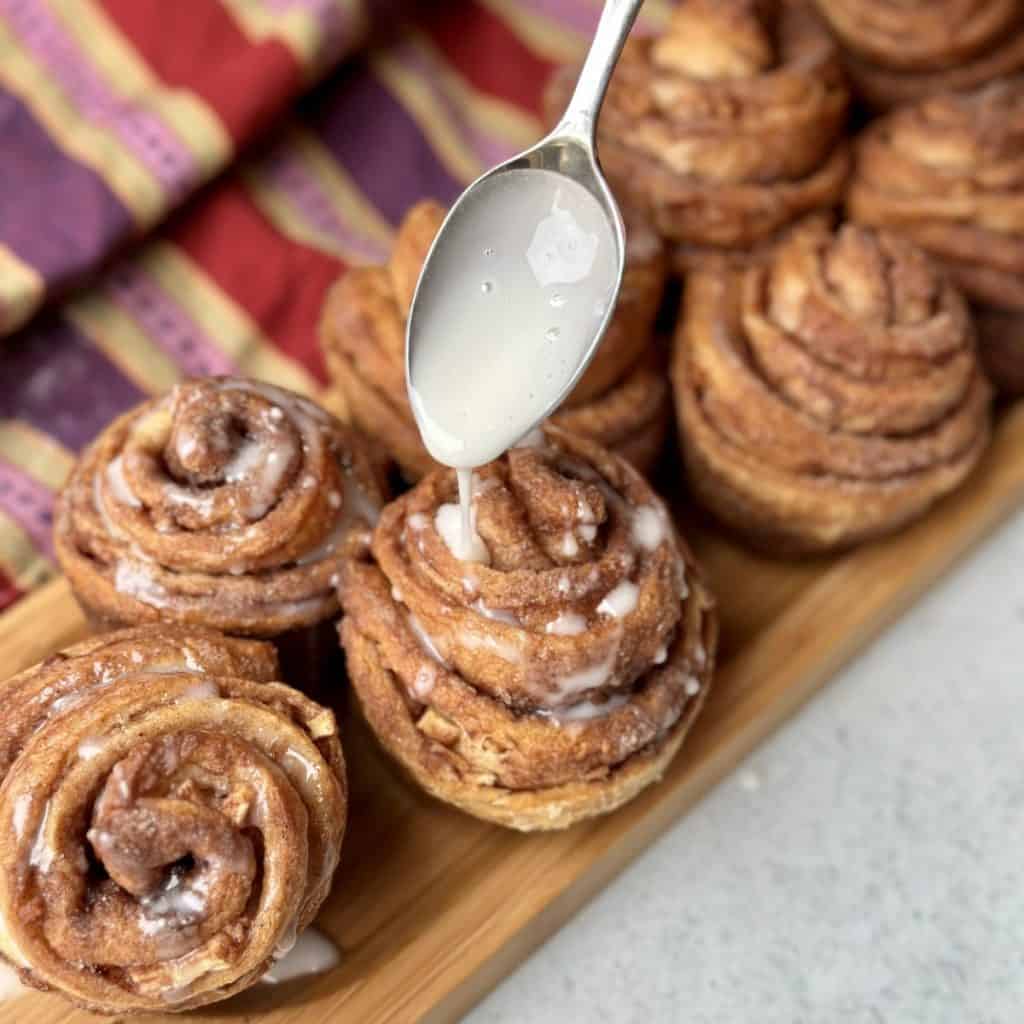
<point>531,268</point>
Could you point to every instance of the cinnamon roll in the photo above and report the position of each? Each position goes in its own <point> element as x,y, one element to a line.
<point>226,503</point>
<point>170,818</point>
<point>546,668</point>
<point>830,396</point>
<point>900,52</point>
<point>622,400</point>
<point>728,127</point>
<point>948,173</point>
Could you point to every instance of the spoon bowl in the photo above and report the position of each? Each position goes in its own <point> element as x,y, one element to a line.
<point>521,281</point>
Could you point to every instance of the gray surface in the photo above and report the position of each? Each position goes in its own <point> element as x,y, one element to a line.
<point>863,866</point>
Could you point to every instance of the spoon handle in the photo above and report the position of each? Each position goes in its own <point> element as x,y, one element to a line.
<point>580,118</point>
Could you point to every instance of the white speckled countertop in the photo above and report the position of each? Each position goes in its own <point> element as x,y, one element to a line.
<point>864,866</point>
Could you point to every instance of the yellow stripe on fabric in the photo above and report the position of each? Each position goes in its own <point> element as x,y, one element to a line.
<point>140,192</point>
<point>21,290</point>
<point>545,36</point>
<point>555,41</point>
<point>490,114</point>
<point>433,119</point>
<point>349,199</point>
<point>118,335</point>
<point>277,208</point>
<point>348,203</point>
<point>233,330</point>
<point>36,454</point>
<point>21,561</point>
<point>196,125</point>
<point>300,30</point>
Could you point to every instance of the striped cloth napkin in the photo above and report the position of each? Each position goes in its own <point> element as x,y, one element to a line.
<point>181,182</point>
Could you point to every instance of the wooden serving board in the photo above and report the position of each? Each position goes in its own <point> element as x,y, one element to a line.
<point>431,908</point>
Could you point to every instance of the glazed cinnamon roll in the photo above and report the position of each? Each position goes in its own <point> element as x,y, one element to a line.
<point>900,52</point>
<point>830,396</point>
<point>547,667</point>
<point>728,127</point>
<point>948,173</point>
<point>622,400</point>
<point>226,503</point>
<point>170,818</point>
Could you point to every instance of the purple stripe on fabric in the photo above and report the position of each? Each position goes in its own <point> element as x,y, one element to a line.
<point>285,170</point>
<point>155,144</point>
<point>57,381</point>
<point>380,145</point>
<point>29,504</point>
<point>63,217</point>
<point>488,149</point>
<point>166,323</point>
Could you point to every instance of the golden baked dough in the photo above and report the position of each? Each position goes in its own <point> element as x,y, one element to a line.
<point>830,396</point>
<point>553,681</point>
<point>225,503</point>
<point>620,401</point>
<point>900,51</point>
<point>727,127</point>
<point>170,818</point>
<point>948,173</point>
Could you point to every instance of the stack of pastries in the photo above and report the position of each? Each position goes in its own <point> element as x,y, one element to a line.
<point>903,51</point>
<point>622,400</point>
<point>948,173</point>
<point>554,674</point>
<point>171,816</point>
<point>726,128</point>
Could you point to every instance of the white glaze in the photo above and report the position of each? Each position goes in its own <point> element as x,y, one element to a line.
<point>587,710</point>
<point>10,984</point>
<point>425,639</point>
<point>620,601</point>
<point>496,614</point>
<point>118,484</point>
<point>649,527</point>
<point>492,353</point>
<point>465,545</point>
<point>90,747</point>
<point>425,681</point>
<point>311,953</point>
<point>567,624</point>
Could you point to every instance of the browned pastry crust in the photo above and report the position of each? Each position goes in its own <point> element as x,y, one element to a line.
<point>727,127</point>
<point>830,396</point>
<point>619,401</point>
<point>170,818</point>
<point>225,503</point>
<point>900,52</point>
<point>948,173</point>
<point>555,681</point>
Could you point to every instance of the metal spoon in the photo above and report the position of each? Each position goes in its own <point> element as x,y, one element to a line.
<point>568,151</point>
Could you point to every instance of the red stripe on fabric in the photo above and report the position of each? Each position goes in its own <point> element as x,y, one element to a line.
<point>9,593</point>
<point>488,53</point>
<point>280,283</point>
<point>199,47</point>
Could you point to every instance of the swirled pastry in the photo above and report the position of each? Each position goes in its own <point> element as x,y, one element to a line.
<point>549,672</point>
<point>622,400</point>
<point>900,51</point>
<point>170,819</point>
<point>948,173</point>
<point>830,396</point>
<point>728,127</point>
<point>226,503</point>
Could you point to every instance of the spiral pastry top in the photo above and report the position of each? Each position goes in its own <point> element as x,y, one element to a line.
<point>900,52</point>
<point>728,126</point>
<point>170,819</point>
<point>621,399</point>
<point>948,173</point>
<point>549,671</point>
<point>831,395</point>
<point>224,503</point>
